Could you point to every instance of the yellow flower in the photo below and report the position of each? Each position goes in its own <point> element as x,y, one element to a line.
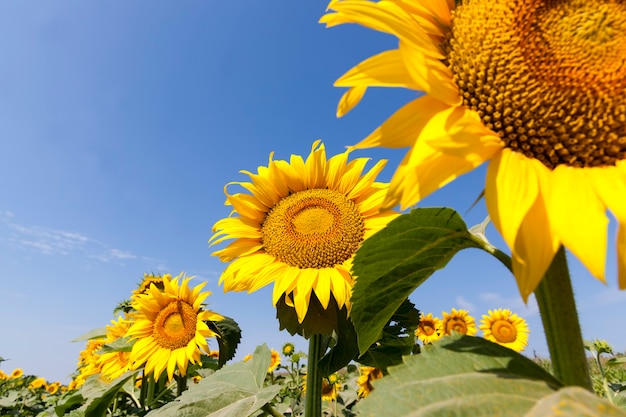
<point>274,362</point>
<point>537,88</point>
<point>196,379</point>
<point>53,388</point>
<point>114,364</point>
<point>368,374</point>
<point>459,321</point>
<point>288,349</point>
<point>17,373</point>
<point>330,388</point>
<point>429,328</point>
<point>148,280</point>
<point>300,226</point>
<point>505,328</point>
<point>247,357</point>
<point>37,383</point>
<point>3,375</point>
<point>170,327</point>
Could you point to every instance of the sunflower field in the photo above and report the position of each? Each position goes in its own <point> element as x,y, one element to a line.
<point>533,89</point>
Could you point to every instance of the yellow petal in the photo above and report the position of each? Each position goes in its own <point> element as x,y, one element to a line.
<point>240,247</point>
<point>386,69</point>
<point>610,184</point>
<point>534,248</point>
<point>403,127</point>
<point>621,255</point>
<point>425,169</point>
<point>350,98</point>
<point>511,189</point>
<point>432,76</point>
<point>578,217</point>
<point>322,287</point>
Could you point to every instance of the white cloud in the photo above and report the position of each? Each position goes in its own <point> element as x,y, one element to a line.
<point>465,304</point>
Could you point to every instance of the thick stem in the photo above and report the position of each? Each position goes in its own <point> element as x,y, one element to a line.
<point>313,399</point>
<point>557,306</point>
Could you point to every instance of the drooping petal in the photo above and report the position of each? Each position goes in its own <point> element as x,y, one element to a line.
<point>578,217</point>
<point>386,69</point>
<point>349,100</point>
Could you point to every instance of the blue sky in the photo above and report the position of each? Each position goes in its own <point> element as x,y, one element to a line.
<point>122,121</point>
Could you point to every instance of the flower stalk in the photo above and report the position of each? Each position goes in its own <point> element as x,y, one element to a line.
<point>313,398</point>
<point>559,316</point>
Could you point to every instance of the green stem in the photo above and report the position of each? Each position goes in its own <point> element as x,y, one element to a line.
<point>271,410</point>
<point>313,398</point>
<point>557,306</point>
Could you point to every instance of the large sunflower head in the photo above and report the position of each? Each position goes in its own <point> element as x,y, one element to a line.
<point>505,328</point>
<point>537,87</point>
<point>114,364</point>
<point>429,328</point>
<point>299,225</point>
<point>170,328</point>
<point>458,321</point>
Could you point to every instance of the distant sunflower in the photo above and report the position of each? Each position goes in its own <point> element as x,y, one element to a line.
<point>114,364</point>
<point>505,328</point>
<point>17,373</point>
<point>330,387</point>
<point>37,383</point>
<point>288,349</point>
<point>3,375</point>
<point>53,388</point>
<point>300,226</point>
<point>170,328</point>
<point>536,87</point>
<point>274,362</point>
<point>368,374</point>
<point>429,328</point>
<point>459,321</point>
<point>148,280</point>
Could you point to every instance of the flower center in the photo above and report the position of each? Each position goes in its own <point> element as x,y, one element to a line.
<point>504,331</point>
<point>548,76</point>
<point>456,324</point>
<point>316,228</point>
<point>427,328</point>
<point>175,325</point>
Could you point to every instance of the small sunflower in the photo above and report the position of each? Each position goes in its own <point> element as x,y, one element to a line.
<point>247,357</point>
<point>536,87</point>
<point>3,375</point>
<point>37,383</point>
<point>17,373</point>
<point>459,321</point>
<point>368,374</point>
<point>330,387</point>
<point>300,226</point>
<point>505,328</point>
<point>53,388</point>
<point>170,328</point>
<point>288,349</point>
<point>274,362</point>
<point>429,328</point>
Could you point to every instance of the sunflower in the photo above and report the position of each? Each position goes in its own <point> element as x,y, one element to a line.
<point>114,364</point>
<point>53,388</point>
<point>170,328</point>
<point>459,321</point>
<point>368,374</point>
<point>274,362</point>
<point>17,373</point>
<point>288,349</point>
<point>505,328</point>
<point>537,88</point>
<point>330,387</point>
<point>300,226</point>
<point>37,383</point>
<point>148,280</point>
<point>429,328</point>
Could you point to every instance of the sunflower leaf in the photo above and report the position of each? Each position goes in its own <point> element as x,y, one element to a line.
<point>93,334</point>
<point>397,341</point>
<point>462,376</point>
<point>395,261</point>
<point>230,336</point>
<point>235,390</point>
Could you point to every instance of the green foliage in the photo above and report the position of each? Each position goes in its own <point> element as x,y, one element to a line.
<point>229,337</point>
<point>398,259</point>
<point>93,334</point>
<point>236,390</point>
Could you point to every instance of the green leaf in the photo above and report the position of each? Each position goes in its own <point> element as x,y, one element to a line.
<point>395,261</point>
<point>68,402</point>
<point>574,402</point>
<point>100,395</point>
<point>398,339</point>
<point>236,390</point>
<point>122,344</point>
<point>230,336</point>
<point>460,376</point>
<point>93,334</point>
